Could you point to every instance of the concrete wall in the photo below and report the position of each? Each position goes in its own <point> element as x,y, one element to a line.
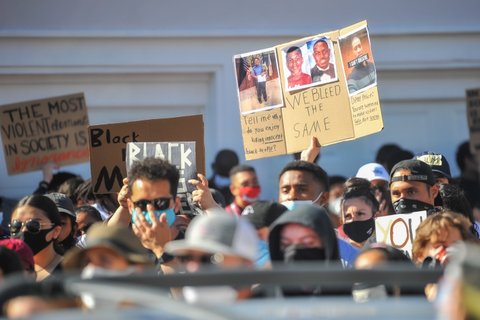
<point>154,59</point>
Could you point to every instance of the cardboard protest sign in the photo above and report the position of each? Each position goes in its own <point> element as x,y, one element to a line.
<point>399,230</point>
<point>108,146</point>
<point>328,89</point>
<point>39,131</point>
<point>473,118</point>
<point>179,153</point>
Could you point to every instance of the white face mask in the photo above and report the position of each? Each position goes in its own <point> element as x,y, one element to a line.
<point>91,271</point>
<point>335,206</point>
<point>293,204</point>
<point>216,295</point>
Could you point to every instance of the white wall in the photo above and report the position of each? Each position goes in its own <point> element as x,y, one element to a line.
<point>153,59</point>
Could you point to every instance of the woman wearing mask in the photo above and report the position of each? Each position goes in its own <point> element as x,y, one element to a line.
<point>359,209</point>
<point>36,221</point>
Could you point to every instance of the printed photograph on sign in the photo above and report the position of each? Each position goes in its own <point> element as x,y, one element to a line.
<point>296,66</point>
<point>322,61</point>
<point>258,83</point>
<point>357,59</point>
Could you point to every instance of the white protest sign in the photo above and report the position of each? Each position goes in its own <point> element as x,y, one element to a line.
<point>399,230</point>
<point>180,154</point>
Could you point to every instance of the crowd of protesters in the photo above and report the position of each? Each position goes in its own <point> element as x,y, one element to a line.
<point>63,226</point>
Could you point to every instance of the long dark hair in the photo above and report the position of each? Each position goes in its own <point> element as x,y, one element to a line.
<point>43,203</point>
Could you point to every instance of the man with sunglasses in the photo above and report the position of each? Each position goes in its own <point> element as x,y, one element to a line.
<point>153,202</point>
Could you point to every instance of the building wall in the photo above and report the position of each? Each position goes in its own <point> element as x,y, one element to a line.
<point>151,59</point>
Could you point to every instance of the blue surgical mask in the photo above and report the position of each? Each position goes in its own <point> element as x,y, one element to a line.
<point>293,204</point>
<point>169,212</point>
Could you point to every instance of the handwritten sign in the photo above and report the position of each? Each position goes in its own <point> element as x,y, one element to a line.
<point>473,118</point>
<point>39,131</point>
<point>399,230</point>
<point>180,154</point>
<point>343,104</point>
<point>108,144</point>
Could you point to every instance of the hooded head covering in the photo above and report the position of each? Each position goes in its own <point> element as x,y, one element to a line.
<point>311,216</point>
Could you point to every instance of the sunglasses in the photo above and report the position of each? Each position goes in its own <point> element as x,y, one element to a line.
<point>33,226</point>
<point>158,204</point>
<point>203,259</point>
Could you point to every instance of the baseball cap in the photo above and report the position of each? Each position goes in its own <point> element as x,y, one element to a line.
<point>120,239</point>
<point>419,171</point>
<point>373,171</point>
<point>63,203</point>
<point>22,249</point>
<point>218,233</point>
<point>263,213</point>
<point>437,162</point>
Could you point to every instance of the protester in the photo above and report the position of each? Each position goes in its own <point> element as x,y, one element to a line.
<point>244,187</point>
<point>438,163</point>
<point>9,263</point>
<point>262,214</point>
<point>225,160</point>
<point>302,182</point>
<point>36,221</point>
<point>359,209</point>
<point>24,254</point>
<point>69,188</point>
<point>452,198</point>
<point>218,241</point>
<point>384,152</point>
<point>303,234</point>
<point>436,234</point>
<point>335,198</point>
<point>86,216</point>
<point>153,202</point>
<point>469,179</point>
<point>379,179</point>
<point>111,251</point>
<point>66,239</point>
<point>378,256</point>
<point>51,182</point>
<point>412,187</point>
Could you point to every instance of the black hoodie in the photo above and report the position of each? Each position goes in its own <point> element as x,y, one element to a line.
<point>311,216</point>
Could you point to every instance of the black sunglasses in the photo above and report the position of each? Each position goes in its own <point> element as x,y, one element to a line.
<point>159,203</point>
<point>204,259</point>
<point>33,226</point>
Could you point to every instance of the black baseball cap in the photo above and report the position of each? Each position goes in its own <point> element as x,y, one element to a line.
<point>262,213</point>
<point>419,171</point>
<point>436,161</point>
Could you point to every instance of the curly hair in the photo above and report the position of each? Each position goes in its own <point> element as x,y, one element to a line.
<point>437,224</point>
<point>154,169</point>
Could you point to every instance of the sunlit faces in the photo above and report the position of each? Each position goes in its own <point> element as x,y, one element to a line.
<point>321,54</point>
<point>357,46</point>
<point>297,234</point>
<point>413,190</point>
<point>149,190</point>
<point>356,209</point>
<point>295,62</point>
<point>440,240</point>
<point>25,213</point>
<point>300,185</point>
<point>240,180</point>
<point>106,258</point>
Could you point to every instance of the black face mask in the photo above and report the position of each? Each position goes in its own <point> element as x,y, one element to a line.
<point>300,253</point>
<point>409,206</point>
<point>37,242</point>
<point>359,231</point>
